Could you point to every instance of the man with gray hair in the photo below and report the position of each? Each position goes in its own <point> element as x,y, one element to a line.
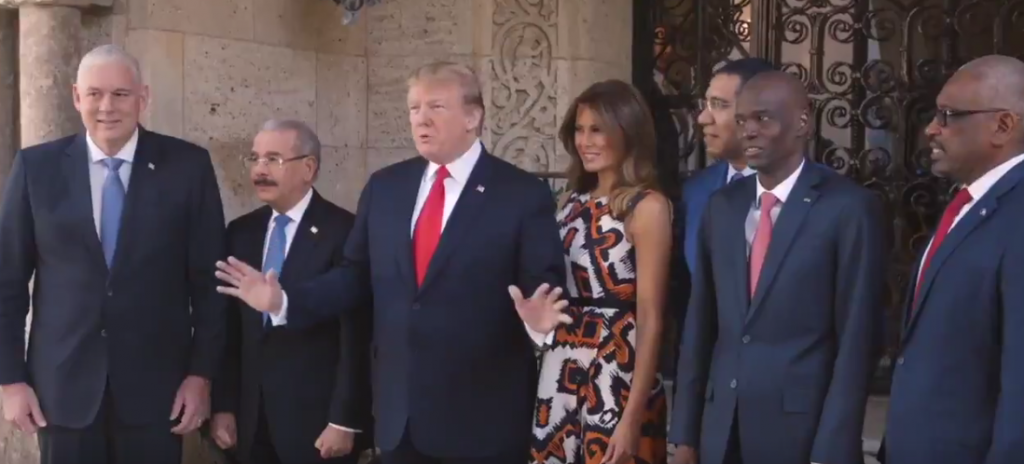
<point>292,395</point>
<point>119,225</point>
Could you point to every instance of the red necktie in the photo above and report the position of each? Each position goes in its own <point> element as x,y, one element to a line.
<point>762,238</point>
<point>962,198</point>
<point>428,225</point>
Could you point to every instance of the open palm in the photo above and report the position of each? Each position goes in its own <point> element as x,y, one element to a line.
<point>260,291</point>
<point>542,312</point>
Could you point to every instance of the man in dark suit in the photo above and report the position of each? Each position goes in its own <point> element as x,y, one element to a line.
<point>785,322</point>
<point>118,225</point>
<point>958,384</point>
<point>297,396</point>
<point>717,119</point>
<point>455,373</point>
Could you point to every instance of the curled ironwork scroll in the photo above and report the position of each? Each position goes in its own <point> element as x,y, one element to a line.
<point>873,69</point>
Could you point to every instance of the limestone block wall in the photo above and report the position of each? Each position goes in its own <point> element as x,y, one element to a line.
<point>218,69</point>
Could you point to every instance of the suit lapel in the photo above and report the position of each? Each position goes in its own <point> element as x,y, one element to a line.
<point>983,209</point>
<point>305,240</point>
<point>405,192</point>
<point>800,201</point>
<point>75,168</point>
<point>735,240</point>
<point>462,217</point>
<point>140,198</point>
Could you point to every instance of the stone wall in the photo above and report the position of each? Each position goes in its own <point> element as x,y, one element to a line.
<point>217,69</point>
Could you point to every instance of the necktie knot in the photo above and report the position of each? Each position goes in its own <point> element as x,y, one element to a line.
<point>441,174</point>
<point>113,164</point>
<point>768,201</point>
<point>735,177</point>
<point>282,220</point>
<point>962,198</point>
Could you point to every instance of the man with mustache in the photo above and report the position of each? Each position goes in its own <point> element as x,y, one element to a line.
<point>118,226</point>
<point>439,243</point>
<point>784,326</point>
<point>958,382</point>
<point>292,395</point>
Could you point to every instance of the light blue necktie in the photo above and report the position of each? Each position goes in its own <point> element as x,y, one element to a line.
<point>736,176</point>
<point>276,252</point>
<point>110,211</point>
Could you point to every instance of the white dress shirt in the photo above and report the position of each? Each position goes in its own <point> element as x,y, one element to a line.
<point>977,189</point>
<point>732,172</point>
<point>458,171</point>
<point>98,170</point>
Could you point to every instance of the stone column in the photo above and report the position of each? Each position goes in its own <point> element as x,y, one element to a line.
<point>48,35</point>
<point>8,90</point>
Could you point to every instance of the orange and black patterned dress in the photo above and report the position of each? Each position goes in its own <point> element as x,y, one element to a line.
<point>587,371</point>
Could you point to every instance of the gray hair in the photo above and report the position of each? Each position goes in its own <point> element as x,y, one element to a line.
<point>106,54</point>
<point>306,141</point>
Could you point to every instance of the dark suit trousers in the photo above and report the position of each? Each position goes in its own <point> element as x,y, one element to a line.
<point>406,453</point>
<point>109,441</point>
<point>263,451</point>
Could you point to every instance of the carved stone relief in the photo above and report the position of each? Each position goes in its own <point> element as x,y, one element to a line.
<point>522,82</point>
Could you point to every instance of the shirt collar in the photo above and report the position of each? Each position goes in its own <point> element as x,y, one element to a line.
<point>460,168</point>
<point>732,171</point>
<point>981,186</point>
<point>782,190</point>
<point>297,211</point>
<point>127,152</point>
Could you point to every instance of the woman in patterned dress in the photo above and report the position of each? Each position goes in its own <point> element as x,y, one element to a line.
<point>600,399</point>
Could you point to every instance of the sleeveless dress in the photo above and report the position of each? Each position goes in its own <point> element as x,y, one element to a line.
<point>587,372</point>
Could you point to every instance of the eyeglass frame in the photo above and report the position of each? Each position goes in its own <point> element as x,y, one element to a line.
<point>250,158</point>
<point>713,104</point>
<point>942,115</point>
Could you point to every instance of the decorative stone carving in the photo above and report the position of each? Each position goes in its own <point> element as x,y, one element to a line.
<point>522,83</point>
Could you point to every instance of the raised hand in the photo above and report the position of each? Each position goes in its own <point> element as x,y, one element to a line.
<point>542,312</point>
<point>259,290</point>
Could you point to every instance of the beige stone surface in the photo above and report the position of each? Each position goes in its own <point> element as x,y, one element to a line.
<point>308,25</point>
<point>341,100</point>
<point>70,3</point>
<point>232,19</point>
<point>231,87</point>
<point>595,30</point>
<point>342,175</point>
<point>48,60</point>
<point>8,90</point>
<point>161,56</point>
<point>421,27</point>
<point>377,158</point>
<point>101,28</point>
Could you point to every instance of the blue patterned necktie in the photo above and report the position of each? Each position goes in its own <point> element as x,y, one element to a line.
<point>736,176</point>
<point>111,207</point>
<point>276,252</point>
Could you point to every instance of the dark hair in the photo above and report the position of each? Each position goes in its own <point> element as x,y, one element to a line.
<point>623,114</point>
<point>745,68</point>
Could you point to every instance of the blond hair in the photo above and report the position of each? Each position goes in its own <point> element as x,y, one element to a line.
<point>454,73</point>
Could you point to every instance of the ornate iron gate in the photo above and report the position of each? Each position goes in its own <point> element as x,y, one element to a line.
<point>873,68</point>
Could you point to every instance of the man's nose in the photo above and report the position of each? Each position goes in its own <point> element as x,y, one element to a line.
<point>705,118</point>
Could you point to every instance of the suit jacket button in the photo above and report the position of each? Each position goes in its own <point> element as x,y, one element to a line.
<point>415,306</point>
<point>732,384</point>
<point>103,332</point>
<point>899,360</point>
<point>746,339</point>
<point>110,293</point>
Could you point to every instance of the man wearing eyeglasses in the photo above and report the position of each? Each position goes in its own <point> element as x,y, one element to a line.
<point>292,396</point>
<point>958,383</point>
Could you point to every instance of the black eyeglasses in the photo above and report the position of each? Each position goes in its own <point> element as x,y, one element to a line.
<point>273,160</point>
<point>942,116</point>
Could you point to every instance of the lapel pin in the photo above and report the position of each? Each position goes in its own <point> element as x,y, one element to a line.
<point>313,229</point>
<point>807,200</point>
<point>480,188</point>
<point>151,167</point>
<point>984,211</point>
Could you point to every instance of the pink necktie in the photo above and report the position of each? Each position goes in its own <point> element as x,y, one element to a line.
<point>762,238</point>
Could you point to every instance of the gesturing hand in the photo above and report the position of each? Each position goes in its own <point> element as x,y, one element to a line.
<point>259,290</point>
<point>542,312</point>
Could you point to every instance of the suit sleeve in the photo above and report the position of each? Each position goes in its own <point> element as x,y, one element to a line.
<point>351,401</point>
<point>1007,437</point>
<point>17,253</point>
<point>540,245</point>
<point>227,384</point>
<point>206,247</point>
<point>344,289</point>
<point>859,318</point>
<point>696,344</point>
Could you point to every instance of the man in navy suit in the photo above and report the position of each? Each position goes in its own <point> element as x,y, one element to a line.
<point>958,383</point>
<point>437,242</point>
<point>118,226</point>
<point>717,119</point>
<point>785,323</point>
